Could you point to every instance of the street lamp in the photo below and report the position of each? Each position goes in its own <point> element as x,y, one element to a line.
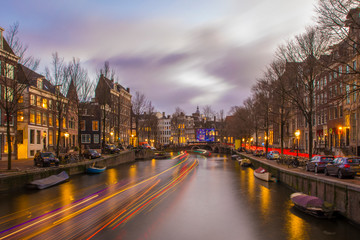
<point>66,139</point>
<point>340,129</point>
<point>297,134</point>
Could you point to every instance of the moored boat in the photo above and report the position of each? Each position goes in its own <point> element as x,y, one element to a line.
<point>262,174</point>
<point>49,181</point>
<point>245,162</point>
<point>94,169</point>
<point>312,205</point>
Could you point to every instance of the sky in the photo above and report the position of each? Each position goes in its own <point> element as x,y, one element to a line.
<point>181,53</point>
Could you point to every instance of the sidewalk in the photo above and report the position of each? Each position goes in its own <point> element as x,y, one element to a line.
<point>17,165</point>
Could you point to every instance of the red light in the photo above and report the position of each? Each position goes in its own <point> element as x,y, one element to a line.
<point>346,165</point>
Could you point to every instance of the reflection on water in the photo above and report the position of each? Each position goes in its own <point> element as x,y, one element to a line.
<point>295,226</point>
<point>112,176</point>
<point>202,198</point>
<point>66,193</point>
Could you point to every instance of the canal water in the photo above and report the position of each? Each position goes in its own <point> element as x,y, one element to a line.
<point>214,199</point>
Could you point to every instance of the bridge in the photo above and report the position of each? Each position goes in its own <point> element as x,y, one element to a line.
<point>215,147</point>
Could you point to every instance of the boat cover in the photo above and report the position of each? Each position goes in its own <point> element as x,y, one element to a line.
<point>307,201</point>
<point>49,181</point>
<point>260,170</point>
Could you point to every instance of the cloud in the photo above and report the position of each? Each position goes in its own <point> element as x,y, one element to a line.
<point>177,53</point>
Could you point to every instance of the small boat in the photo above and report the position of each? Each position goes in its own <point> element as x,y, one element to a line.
<point>262,174</point>
<point>49,181</point>
<point>94,169</point>
<point>312,205</point>
<point>245,162</point>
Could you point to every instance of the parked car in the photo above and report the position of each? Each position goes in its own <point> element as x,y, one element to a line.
<point>344,167</point>
<point>111,148</point>
<point>45,159</point>
<point>272,155</point>
<point>91,153</point>
<point>318,163</point>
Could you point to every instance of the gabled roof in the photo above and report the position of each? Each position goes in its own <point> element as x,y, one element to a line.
<point>28,76</point>
<point>7,47</point>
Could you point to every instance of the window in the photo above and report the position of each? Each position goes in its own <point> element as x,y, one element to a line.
<point>9,71</point>
<point>340,70</point>
<point>72,123</point>
<point>9,94</point>
<point>96,138</point>
<point>45,103</point>
<point>38,118</point>
<point>32,136</point>
<point>21,99</point>
<point>20,116</point>
<point>341,111</point>
<point>32,117</point>
<point>57,122</point>
<point>50,104</point>
<point>335,112</point>
<point>85,138</point>
<point>64,122</point>
<point>354,65</point>
<point>38,101</point>
<point>32,99</point>
<point>82,125</point>
<point>40,83</point>
<point>330,77</point>
<point>38,135</point>
<point>347,69</point>
<point>95,125</point>
<point>50,120</point>
<point>51,136</point>
<point>44,119</point>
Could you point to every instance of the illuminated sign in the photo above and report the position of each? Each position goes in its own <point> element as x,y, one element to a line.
<point>205,134</point>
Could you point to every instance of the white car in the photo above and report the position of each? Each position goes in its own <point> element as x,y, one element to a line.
<point>272,155</point>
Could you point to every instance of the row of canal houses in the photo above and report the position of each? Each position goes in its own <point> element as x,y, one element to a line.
<point>336,126</point>
<point>35,124</point>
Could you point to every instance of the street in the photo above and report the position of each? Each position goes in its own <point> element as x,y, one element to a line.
<point>187,197</point>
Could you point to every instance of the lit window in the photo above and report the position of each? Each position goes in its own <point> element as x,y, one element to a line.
<point>38,118</point>
<point>95,125</point>
<point>45,103</point>
<point>32,99</point>
<point>64,123</point>
<point>50,120</point>
<point>20,116</point>
<point>38,101</point>
<point>51,135</point>
<point>32,117</point>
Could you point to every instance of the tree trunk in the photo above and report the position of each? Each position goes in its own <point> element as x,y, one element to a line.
<point>8,137</point>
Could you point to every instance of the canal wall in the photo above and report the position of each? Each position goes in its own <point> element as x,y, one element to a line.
<point>14,180</point>
<point>344,195</point>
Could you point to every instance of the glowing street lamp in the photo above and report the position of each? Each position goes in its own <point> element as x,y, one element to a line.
<point>340,129</point>
<point>297,135</point>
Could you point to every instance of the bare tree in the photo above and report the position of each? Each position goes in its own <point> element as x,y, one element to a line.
<point>178,123</point>
<point>79,92</point>
<point>106,71</point>
<point>59,75</point>
<point>12,93</point>
<point>139,103</point>
<point>302,56</point>
<point>19,48</point>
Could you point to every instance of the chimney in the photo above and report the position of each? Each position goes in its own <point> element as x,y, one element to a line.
<point>128,90</point>
<point>163,114</point>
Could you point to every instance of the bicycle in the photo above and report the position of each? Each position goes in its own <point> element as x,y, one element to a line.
<point>294,163</point>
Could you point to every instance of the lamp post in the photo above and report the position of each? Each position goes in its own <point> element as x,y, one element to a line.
<point>297,134</point>
<point>66,139</point>
<point>340,129</point>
